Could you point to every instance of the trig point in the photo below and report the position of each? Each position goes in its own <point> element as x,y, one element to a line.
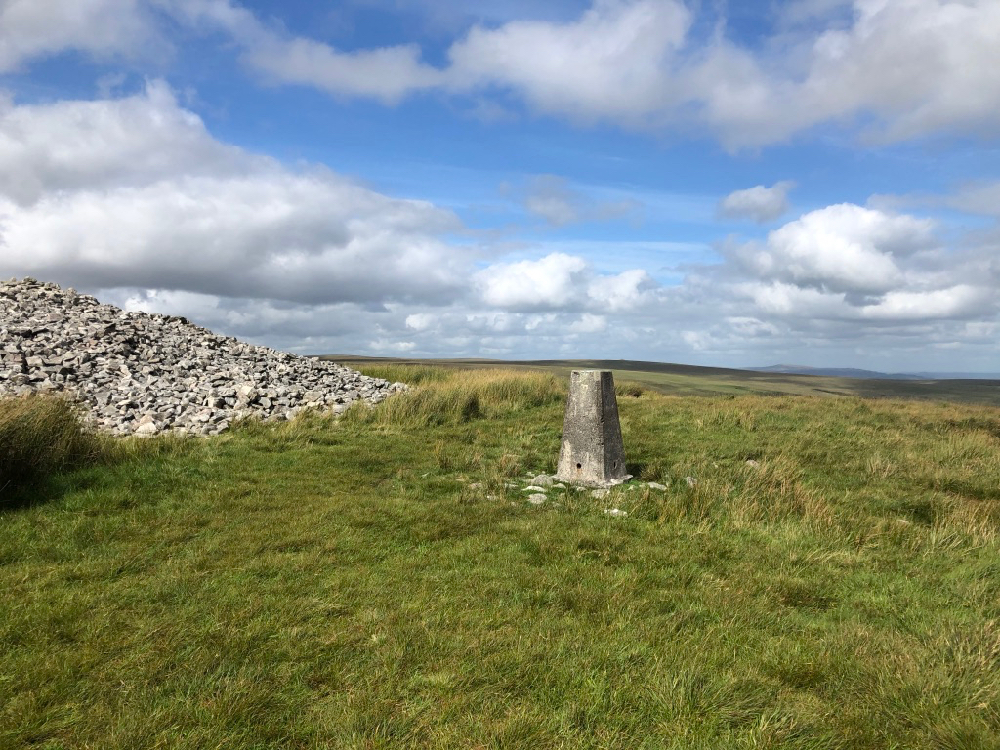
<point>592,453</point>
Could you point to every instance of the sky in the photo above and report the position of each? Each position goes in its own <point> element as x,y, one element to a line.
<point>711,182</point>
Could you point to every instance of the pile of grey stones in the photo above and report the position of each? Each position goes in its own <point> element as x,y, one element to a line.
<point>141,374</point>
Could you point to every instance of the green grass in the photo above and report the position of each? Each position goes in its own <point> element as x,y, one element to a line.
<point>375,582</point>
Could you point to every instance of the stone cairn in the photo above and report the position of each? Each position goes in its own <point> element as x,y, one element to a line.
<point>142,374</point>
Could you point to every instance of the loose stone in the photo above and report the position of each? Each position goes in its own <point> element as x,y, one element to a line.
<point>141,374</point>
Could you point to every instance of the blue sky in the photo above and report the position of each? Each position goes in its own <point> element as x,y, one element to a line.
<point>706,182</point>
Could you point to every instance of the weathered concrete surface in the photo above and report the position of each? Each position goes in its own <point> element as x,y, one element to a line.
<point>592,452</point>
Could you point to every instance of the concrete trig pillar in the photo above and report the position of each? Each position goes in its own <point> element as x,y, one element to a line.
<point>592,452</point>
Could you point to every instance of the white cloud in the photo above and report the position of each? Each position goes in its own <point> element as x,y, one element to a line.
<point>845,284</point>
<point>762,204</point>
<point>557,280</point>
<point>561,281</point>
<point>32,29</point>
<point>912,67</point>
<point>588,323</point>
<point>906,68</point>
<point>609,62</point>
<point>961,300</point>
<point>143,196</point>
<point>387,74</point>
<point>111,143</point>
<point>622,292</point>
<point>419,321</point>
<point>842,248</point>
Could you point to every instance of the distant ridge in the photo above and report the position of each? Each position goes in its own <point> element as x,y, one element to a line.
<point>850,372</point>
<point>694,380</point>
<point>836,372</point>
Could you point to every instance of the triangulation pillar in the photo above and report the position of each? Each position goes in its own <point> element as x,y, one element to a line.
<point>592,452</point>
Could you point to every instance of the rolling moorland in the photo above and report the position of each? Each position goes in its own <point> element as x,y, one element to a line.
<point>691,380</point>
<point>828,578</point>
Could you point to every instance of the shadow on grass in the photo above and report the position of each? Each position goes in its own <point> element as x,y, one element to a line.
<point>42,490</point>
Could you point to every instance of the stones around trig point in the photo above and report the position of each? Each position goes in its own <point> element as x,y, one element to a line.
<point>592,453</point>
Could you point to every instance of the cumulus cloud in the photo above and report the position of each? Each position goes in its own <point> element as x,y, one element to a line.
<point>609,62</point>
<point>843,248</point>
<point>553,281</point>
<point>622,292</point>
<point>905,68</point>
<point>31,29</point>
<point>539,334</point>
<point>958,301</point>
<point>135,198</point>
<point>844,283</point>
<point>110,143</point>
<point>561,281</point>
<point>860,284</point>
<point>908,67</point>
<point>761,204</point>
<point>145,207</point>
<point>143,196</point>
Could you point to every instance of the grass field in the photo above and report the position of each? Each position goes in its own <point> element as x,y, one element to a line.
<point>830,579</point>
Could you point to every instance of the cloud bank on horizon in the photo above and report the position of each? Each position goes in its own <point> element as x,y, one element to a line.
<point>642,179</point>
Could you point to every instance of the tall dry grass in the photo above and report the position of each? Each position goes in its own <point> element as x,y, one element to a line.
<point>456,396</point>
<point>402,373</point>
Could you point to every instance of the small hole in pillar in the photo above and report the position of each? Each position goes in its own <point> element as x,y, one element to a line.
<point>579,466</point>
<point>614,464</point>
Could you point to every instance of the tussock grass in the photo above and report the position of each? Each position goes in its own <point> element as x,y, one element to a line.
<point>629,389</point>
<point>828,579</point>
<point>39,436</point>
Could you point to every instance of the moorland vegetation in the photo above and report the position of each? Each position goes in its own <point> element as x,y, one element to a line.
<point>830,579</point>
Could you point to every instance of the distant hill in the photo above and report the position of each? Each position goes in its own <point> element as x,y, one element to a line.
<point>692,380</point>
<point>850,372</point>
<point>836,372</point>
